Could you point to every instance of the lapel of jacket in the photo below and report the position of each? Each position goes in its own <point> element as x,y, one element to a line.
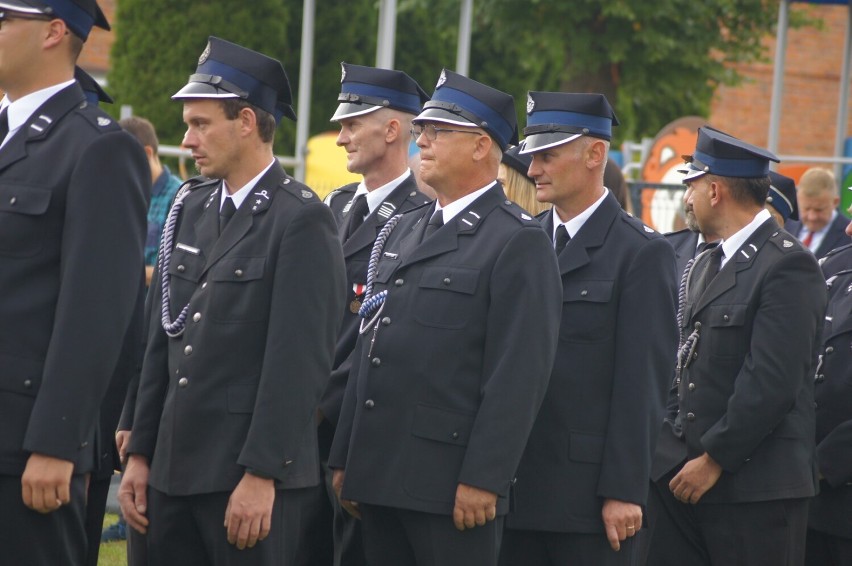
<point>842,298</point>
<point>258,200</point>
<point>446,239</point>
<point>742,260</point>
<point>591,235</point>
<point>399,200</point>
<point>40,123</point>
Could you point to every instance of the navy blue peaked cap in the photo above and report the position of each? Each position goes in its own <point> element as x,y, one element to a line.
<point>228,70</point>
<point>555,118</point>
<point>464,102</point>
<point>78,15</point>
<point>93,91</point>
<point>367,89</point>
<point>721,154</point>
<point>518,161</point>
<point>782,195</point>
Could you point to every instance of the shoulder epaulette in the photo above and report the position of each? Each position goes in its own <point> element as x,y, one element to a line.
<point>785,242</point>
<point>516,212</point>
<point>639,226</point>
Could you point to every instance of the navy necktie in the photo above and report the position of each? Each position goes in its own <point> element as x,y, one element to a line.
<point>562,239</point>
<point>356,214</point>
<point>435,222</point>
<point>227,212</point>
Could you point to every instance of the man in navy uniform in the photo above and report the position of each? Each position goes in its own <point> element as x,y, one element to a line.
<point>375,112</point>
<point>829,541</point>
<point>735,482</point>
<point>73,190</point>
<point>245,311</point>
<point>458,336</point>
<point>583,479</point>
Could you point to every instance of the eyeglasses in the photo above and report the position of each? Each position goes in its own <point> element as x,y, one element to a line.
<point>6,16</point>
<point>431,131</point>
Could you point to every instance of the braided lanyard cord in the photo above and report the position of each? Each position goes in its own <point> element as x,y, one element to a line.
<point>374,302</point>
<point>687,345</point>
<point>173,329</point>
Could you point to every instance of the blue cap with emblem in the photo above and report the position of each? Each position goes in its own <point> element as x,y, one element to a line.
<point>78,15</point>
<point>718,153</point>
<point>93,91</point>
<point>367,89</point>
<point>782,195</point>
<point>228,70</point>
<point>556,118</point>
<point>462,101</point>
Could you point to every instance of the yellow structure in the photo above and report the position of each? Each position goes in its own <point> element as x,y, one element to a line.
<point>325,165</point>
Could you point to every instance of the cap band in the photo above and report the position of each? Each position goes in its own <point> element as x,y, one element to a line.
<point>746,168</point>
<point>379,96</point>
<point>474,111</point>
<point>218,82</point>
<point>556,121</point>
<point>258,93</point>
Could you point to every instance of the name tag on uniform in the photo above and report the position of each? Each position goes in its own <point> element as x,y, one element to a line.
<point>188,249</point>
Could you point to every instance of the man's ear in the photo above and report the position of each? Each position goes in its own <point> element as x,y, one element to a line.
<point>393,129</point>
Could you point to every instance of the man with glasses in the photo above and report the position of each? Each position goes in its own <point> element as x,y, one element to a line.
<point>374,114</point>
<point>458,333</point>
<point>73,191</point>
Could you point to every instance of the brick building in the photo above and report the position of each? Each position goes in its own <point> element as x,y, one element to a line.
<point>811,89</point>
<point>95,56</point>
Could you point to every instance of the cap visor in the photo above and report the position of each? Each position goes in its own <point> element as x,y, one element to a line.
<point>691,173</point>
<point>20,6</point>
<point>100,19</point>
<point>202,90</point>
<point>441,115</point>
<point>538,142</point>
<point>350,110</point>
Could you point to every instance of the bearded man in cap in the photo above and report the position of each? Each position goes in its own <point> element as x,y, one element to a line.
<point>246,305</point>
<point>733,488</point>
<point>374,114</point>
<point>583,479</point>
<point>458,335</point>
<point>73,192</point>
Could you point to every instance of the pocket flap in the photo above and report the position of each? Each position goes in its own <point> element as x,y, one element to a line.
<point>385,269</point>
<point>238,269</point>
<point>186,265</point>
<point>24,199</point>
<point>443,425</point>
<point>450,278</point>
<point>592,291</point>
<point>726,315</point>
<point>585,447</point>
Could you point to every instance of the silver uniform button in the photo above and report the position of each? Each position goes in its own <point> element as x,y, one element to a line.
<point>181,268</point>
<point>187,351</point>
<point>196,317</point>
<point>238,272</point>
<point>183,382</point>
<point>369,404</point>
<point>13,200</point>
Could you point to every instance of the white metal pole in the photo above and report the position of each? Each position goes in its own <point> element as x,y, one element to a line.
<point>306,63</point>
<point>842,103</point>
<point>387,35</point>
<point>778,76</point>
<point>463,54</point>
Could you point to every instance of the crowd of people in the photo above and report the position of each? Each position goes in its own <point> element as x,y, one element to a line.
<point>486,361</point>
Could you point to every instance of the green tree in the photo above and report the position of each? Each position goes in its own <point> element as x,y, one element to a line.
<point>655,61</point>
<point>158,43</point>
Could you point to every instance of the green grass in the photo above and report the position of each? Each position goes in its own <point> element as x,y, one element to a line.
<point>112,553</point>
